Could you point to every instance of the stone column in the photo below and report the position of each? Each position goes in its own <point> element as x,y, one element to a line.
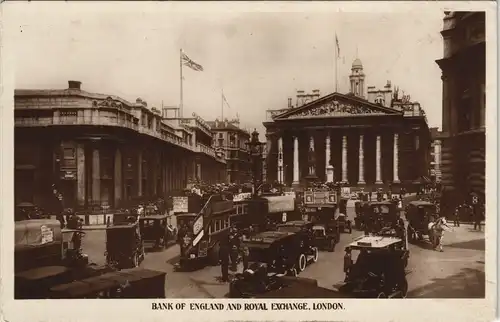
<point>312,167</point>
<point>396,159</point>
<point>344,159</point>
<point>280,160</point>
<point>361,179</point>
<point>96,176</point>
<point>118,179</point>
<point>139,173</point>
<point>327,151</point>
<point>154,172</point>
<point>378,156</point>
<point>296,179</point>
<point>80,173</point>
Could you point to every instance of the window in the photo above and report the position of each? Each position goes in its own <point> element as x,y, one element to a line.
<point>226,222</point>
<point>68,153</point>
<point>217,225</point>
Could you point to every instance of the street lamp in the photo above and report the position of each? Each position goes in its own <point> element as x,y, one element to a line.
<point>256,150</point>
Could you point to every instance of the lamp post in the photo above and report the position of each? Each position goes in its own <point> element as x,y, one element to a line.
<point>256,150</point>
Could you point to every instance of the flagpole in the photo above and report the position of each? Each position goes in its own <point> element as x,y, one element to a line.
<point>222,104</point>
<point>181,106</point>
<point>336,60</point>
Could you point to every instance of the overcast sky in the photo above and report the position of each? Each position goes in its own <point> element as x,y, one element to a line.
<point>258,58</point>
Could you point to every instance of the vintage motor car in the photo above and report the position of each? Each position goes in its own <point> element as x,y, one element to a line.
<point>134,283</point>
<point>256,282</point>
<point>46,255</point>
<point>379,214</point>
<point>124,245</point>
<point>286,251</point>
<point>419,214</point>
<point>379,269</point>
<point>155,231</point>
<point>359,209</point>
<point>344,223</point>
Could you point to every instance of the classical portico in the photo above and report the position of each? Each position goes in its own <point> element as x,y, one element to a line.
<point>366,143</point>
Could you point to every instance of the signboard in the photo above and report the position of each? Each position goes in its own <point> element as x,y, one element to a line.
<point>198,238</point>
<point>68,175</point>
<point>320,198</point>
<point>180,204</point>
<point>198,225</point>
<point>277,204</point>
<point>242,196</point>
<point>47,234</point>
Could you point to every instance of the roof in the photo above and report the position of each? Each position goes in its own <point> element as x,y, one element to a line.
<point>374,242</point>
<point>190,214</point>
<point>268,237</point>
<point>420,203</point>
<point>69,92</point>
<point>102,282</point>
<point>385,203</point>
<point>295,223</point>
<point>153,217</point>
<point>42,272</point>
<point>121,226</point>
<point>225,126</point>
<point>357,63</point>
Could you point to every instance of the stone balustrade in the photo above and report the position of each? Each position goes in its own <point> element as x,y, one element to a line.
<point>116,118</point>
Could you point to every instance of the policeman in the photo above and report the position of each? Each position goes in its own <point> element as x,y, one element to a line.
<point>234,247</point>
<point>347,263</point>
<point>224,260</point>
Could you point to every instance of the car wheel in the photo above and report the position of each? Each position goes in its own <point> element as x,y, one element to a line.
<point>331,245</point>
<point>403,288</point>
<point>302,262</point>
<point>381,295</point>
<point>135,260</point>
<point>315,254</point>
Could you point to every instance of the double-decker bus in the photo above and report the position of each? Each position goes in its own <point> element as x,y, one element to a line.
<point>200,234</point>
<point>319,203</point>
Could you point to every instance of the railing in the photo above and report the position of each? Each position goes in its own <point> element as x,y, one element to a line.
<point>104,121</point>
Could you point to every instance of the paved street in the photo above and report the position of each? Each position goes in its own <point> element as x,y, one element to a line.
<point>458,272</point>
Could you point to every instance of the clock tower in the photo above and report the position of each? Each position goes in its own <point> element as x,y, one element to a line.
<point>357,79</point>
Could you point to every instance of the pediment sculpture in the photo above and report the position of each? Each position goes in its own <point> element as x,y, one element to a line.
<point>335,108</point>
<point>108,102</point>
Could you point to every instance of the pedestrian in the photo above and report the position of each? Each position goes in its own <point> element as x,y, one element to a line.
<point>456,216</point>
<point>245,254</point>
<point>477,213</point>
<point>224,260</point>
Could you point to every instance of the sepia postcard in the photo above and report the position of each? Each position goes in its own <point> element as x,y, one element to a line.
<point>248,161</point>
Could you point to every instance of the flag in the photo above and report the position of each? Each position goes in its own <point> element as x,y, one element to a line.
<point>225,100</point>
<point>186,61</point>
<point>337,43</point>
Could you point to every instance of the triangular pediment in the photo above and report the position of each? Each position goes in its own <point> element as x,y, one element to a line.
<point>335,105</point>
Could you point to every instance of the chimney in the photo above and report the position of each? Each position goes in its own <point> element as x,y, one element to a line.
<point>388,85</point>
<point>138,100</point>
<point>290,102</point>
<point>74,85</point>
<point>315,94</point>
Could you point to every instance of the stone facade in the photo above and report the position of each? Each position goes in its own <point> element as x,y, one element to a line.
<point>464,104</point>
<point>366,142</point>
<point>230,139</point>
<point>102,150</point>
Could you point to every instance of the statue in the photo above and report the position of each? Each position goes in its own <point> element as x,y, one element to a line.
<point>311,162</point>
